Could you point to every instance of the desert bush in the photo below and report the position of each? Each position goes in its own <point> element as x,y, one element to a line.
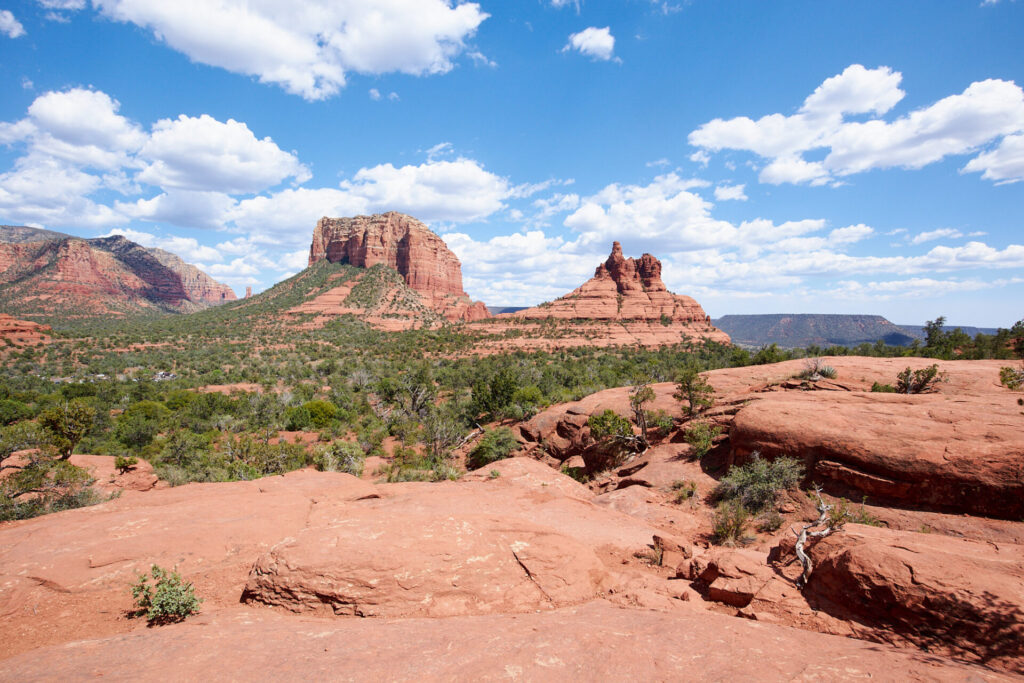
<point>701,436</point>
<point>770,520</point>
<point>660,420</point>
<point>880,388</point>
<point>730,523</point>
<point>125,464</point>
<point>320,412</point>
<point>495,445</point>
<point>341,456</point>
<point>68,422</point>
<point>1012,378</point>
<point>684,490</point>
<point>297,418</point>
<point>815,368</point>
<point>167,600</point>
<point>757,484</point>
<point>918,381</point>
<point>608,424</point>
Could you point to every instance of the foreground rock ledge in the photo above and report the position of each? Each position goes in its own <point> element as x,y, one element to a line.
<point>592,642</point>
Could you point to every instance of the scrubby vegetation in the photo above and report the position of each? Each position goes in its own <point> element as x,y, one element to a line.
<point>167,600</point>
<point>495,445</point>
<point>248,389</point>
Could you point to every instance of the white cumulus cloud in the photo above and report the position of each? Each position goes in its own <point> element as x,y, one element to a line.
<point>984,112</point>
<point>730,192</point>
<point>10,26</point>
<point>596,43</point>
<point>206,154</point>
<point>306,47</point>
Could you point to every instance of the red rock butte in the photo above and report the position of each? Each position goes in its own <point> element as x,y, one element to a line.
<point>422,258</point>
<point>625,302</point>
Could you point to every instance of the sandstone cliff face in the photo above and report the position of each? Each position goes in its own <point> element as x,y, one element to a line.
<point>408,246</point>
<point>200,287</point>
<point>75,278</point>
<point>22,332</point>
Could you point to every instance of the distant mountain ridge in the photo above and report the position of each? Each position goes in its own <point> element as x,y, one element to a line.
<point>53,277</point>
<point>793,330</point>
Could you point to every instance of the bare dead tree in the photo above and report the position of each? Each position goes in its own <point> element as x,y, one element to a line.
<point>829,524</point>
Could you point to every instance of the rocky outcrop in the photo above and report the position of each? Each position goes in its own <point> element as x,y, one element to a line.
<point>14,332</point>
<point>627,289</point>
<point>944,594</point>
<point>596,641</point>
<point>625,303</point>
<point>937,452</point>
<point>46,274</point>
<point>200,287</point>
<point>406,245</point>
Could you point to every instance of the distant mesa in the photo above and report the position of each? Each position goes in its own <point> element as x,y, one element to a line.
<point>799,330</point>
<point>408,246</point>
<point>45,274</point>
<point>625,303</point>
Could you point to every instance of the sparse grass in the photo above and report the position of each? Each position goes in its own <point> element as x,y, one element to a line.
<point>684,490</point>
<point>730,523</point>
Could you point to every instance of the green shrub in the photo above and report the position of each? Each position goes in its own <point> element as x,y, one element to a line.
<point>769,521</point>
<point>608,424</point>
<point>123,464</point>
<point>730,523</point>
<point>684,490</point>
<point>495,474</point>
<point>701,436</point>
<point>495,445</point>
<point>918,381</point>
<point>167,600</point>
<point>297,418</point>
<point>320,412</point>
<point>1011,378</point>
<point>341,456</point>
<point>757,484</point>
<point>880,388</point>
<point>13,411</point>
<point>660,420</point>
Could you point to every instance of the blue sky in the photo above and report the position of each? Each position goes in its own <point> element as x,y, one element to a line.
<point>778,157</point>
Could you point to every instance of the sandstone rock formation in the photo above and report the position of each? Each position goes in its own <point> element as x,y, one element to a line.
<point>518,574</point>
<point>44,274</point>
<point>938,592</point>
<point>625,303</point>
<point>14,332</point>
<point>406,245</point>
<point>592,642</point>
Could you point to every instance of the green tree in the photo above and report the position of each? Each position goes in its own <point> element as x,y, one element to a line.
<point>639,396</point>
<point>693,389</point>
<point>68,422</point>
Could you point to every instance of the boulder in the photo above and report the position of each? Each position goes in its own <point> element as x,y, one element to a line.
<point>949,595</point>
<point>930,451</point>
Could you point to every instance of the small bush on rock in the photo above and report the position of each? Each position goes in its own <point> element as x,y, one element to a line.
<point>918,381</point>
<point>125,465</point>
<point>730,523</point>
<point>169,599</point>
<point>496,444</point>
<point>342,456</point>
<point>1012,378</point>
<point>701,436</point>
<point>757,484</point>
<point>880,388</point>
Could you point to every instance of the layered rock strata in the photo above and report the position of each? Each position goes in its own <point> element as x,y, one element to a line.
<point>45,273</point>
<point>405,244</point>
<point>625,303</point>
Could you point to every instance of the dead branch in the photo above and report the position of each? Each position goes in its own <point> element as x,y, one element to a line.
<point>829,525</point>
